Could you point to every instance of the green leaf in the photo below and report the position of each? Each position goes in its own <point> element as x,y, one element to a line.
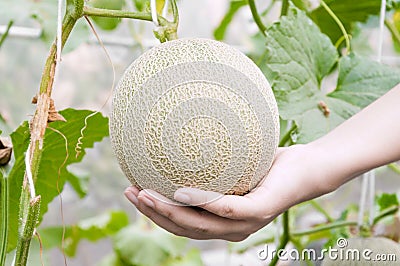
<point>234,6</point>
<point>360,82</point>
<point>91,229</point>
<point>79,184</point>
<point>348,14</point>
<point>298,57</point>
<point>143,245</point>
<point>107,23</point>
<point>357,72</point>
<point>49,184</point>
<point>387,200</point>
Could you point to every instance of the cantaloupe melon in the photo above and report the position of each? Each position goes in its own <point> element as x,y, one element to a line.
<point>361,251</point>
<point>194,113</point>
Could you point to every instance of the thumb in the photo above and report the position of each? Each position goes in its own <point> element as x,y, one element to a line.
<point>196,197</point>
<point>228,206</point>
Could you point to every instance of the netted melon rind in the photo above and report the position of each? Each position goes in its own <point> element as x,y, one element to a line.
<point>212,65</point>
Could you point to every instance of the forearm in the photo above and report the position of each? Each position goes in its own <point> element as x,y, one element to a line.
<point>369,139</point>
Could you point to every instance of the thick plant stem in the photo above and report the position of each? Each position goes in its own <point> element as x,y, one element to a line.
<point>30,208</point>
<point>24,239</point>
<point>100,12</point>
<point>167,31</point>
<point>256,17</point>
<point>284,238</point>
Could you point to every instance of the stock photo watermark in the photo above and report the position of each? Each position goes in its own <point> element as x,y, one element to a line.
<point>341,252</point>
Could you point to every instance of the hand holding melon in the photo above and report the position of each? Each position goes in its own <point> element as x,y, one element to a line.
<point>194,113</point>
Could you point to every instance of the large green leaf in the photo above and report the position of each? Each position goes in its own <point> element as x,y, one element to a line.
<point>49,183</point>
<point>362,80</point>
<point>80,184</point>
<point>348,13</point>
<point>92,229</point>
<point>298,57</point>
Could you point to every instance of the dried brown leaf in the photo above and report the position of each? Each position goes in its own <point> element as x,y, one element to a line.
<point>5,153</point>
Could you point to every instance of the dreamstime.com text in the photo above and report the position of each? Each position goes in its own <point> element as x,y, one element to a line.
<point>336,254</point>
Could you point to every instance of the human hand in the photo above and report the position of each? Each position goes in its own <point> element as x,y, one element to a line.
<point>291,180</point>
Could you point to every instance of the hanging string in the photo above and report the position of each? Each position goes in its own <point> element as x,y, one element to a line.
<point>371,198</point>
<point>165,10</point>
<point>381,28</point>
<point>379,59</point>
<point>153,7</point>
<point>59,33</point>
<point>363,197</point>
<point>28,171</point>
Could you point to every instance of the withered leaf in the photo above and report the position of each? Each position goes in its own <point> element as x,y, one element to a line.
<point>5,154</point>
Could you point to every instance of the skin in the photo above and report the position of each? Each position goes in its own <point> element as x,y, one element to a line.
<point>299,173</point>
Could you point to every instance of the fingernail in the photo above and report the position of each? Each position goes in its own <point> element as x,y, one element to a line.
<point>182,197</point>
<point>148,202</point>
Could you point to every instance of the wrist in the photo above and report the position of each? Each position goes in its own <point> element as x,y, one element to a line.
<point>304,172</point>
<point>333,166</point>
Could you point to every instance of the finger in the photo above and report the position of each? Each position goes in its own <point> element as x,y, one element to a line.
<point>131,194</point>
<point>228,206</point>
<point>206,222</point>
<point>170,226</point>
